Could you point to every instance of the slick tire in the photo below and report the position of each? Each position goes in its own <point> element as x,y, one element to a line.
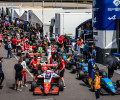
<point>19,53</point>
<point>80,74</point>
<point>73,69</point>
<point>118,83</point>
<point>33,85</point>
<point>61,87</point>
<point>27,61</point>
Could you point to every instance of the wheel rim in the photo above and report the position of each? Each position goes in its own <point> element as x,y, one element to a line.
<point>71,70</point>
<point>77,75</point>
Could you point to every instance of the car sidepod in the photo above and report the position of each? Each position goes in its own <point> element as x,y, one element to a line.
<point>107,86</point>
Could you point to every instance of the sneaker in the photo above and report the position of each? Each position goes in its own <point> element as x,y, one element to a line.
<point>19,90</point>
<point>21,86</point>
<point>26,85</point>
<point>64,87</point>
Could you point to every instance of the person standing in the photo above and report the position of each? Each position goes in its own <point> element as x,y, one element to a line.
<point>35,64</point>
<point>62,69</point>
<point>26,47</point>
<point>85,51</point>
<point>79,43</point>
<point>14,43</point>
<point>94,54</point>
<point>1,72</point>
<point>91,66</point>
<point>9,49</point>
<point>97,85</point>
<point>49,55</point>
<point>24,73</point>
<point>61,41</point>
<point>18,75</point>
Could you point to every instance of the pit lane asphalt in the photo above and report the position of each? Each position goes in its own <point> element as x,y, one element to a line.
<point>76,89</point>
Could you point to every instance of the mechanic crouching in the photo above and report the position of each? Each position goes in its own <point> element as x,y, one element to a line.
<point>35,64</point>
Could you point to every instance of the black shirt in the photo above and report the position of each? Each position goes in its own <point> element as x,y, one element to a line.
<point>18,68</point>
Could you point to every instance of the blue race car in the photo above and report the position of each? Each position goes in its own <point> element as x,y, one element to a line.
<point>107,86</point>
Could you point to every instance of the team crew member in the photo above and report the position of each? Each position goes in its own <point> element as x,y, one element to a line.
<point>24,73</point>
<point>91,66</point>
<point>79,43</point>
<point>26,47</point>
<point>0,40</point>
<point>9,49</point>
<point>18,75</point>
<point>62,69</point>
<point>14,42</point>
<point>53,52</point>
<point>49,55</point>
<point>1,72</point>
<point>85,50</point>
<point>97,85</point>
<point>35,64</point>
<point>94,54</point>
<point>61,41</point>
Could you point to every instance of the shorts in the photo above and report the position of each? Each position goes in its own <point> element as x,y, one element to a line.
<point>14,46</point>
<point>35,72</point>
<point>18,77</point>
<point>0,41</point>
<point>60,45</point>
<point>110,73</point>
<point>62,73</point>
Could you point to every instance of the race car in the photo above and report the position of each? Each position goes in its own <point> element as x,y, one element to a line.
<point>49,83</point>
<point>107,86</point>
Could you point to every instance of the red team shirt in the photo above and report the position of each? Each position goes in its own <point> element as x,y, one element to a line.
<point>26,46</point>
<point>61,40</point>
<point>34,62</point>
<point>14,41</point>
<point>61,64</point>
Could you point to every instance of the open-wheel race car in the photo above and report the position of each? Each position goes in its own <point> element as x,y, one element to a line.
<point>48,82</point>
<point>107,86</point>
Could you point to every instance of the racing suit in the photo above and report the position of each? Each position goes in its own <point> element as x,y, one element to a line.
<point>90,68</point>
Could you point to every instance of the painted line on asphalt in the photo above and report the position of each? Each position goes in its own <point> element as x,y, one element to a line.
<point>45,99</point>
<point>26,68</point>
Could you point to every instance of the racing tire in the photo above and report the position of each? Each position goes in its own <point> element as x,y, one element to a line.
<point>6,46</point>
<point>118,83</point>
<point>39,72</point>
<point>92,87</point>
<point>61,87</point>
<point>31,70</point>
<point>73,69</point>
<point>80,74</point>
<point>66,65</point>
<point>5,40</point>
<point>33,85</point>
<point>27,61</point>
<point>18,52</point>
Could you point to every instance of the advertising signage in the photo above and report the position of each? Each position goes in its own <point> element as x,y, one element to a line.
<point>104,14</point>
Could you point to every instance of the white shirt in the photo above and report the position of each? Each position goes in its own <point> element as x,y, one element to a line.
<point>17,22</point>
<point>48,39</point>
<point>24,64</point>
<point>73,46</point>
<point>49,53</point>
<point>57,38</point>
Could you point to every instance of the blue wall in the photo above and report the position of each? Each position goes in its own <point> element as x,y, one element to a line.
<point>104,14</point>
